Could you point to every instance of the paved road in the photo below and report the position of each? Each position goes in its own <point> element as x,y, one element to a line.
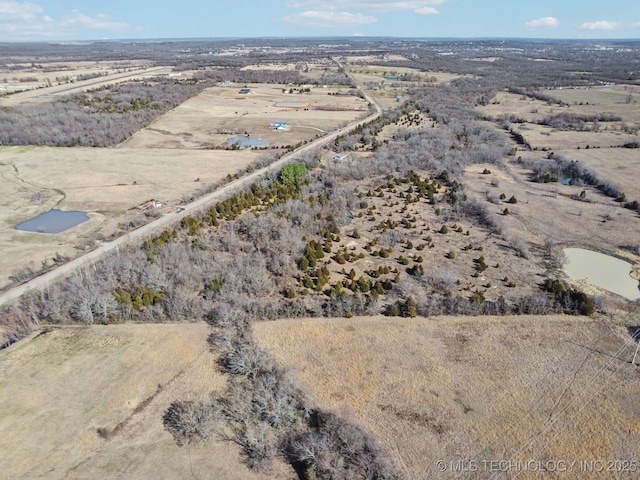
<point>175,216</point>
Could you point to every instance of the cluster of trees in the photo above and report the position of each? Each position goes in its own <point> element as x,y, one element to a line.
<point>100,118</point>
<point>557,166</point>
<point>579,122</point>
<point>243,76</point>
<point>568,299</point>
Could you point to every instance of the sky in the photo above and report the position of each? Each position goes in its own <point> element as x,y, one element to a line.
<point>49,20</point>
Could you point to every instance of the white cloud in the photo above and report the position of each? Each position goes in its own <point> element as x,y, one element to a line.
<point>427,11</point>
<point>99,22</point>
<point>27,21</point>
<point>418,6</point>
<point>324,19</point>
<point>10,10</point>
<point>600,25</point>
<point>544,22</point>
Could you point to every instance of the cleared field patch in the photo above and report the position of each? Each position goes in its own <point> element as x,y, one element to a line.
<point>543,137</point>
<point>58,388</point>
<point>467,390</point>
<point>520,106</point>
<point>209,119</point>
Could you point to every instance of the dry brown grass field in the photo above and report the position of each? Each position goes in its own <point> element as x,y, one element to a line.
<point>598,150</point>
<point>468,391</point>
<point>107,183</point>
<point>554,211</point>
<point>165,161</point>
<point>592,101</point>
<point>620,165</point>
<point>58,388</point>
<point>219,113</point>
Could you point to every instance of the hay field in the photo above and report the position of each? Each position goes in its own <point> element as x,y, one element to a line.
<point>58,388</point>
<point>218,113</point>
<point>585,101</point>
<point>543,137</point>
<point>467,391</point>
<point>597,149</point>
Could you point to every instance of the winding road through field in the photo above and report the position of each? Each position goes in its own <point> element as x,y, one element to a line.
<point>175,216</point>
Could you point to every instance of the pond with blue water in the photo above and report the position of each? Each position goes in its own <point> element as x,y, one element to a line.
<point>53,221</point>
<point>246,141</point>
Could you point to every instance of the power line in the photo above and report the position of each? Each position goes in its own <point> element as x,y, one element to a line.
<point>555,418</point>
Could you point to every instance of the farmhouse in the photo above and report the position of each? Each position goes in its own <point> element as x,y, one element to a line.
<point>280,126</point>
<point>245,91</point>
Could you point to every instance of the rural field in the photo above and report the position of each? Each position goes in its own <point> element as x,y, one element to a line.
<point>108,184</point>
<point>472,390</point>
<point>218,113</point>
<point>574,133</point>
<point>59,386</point>
<point>404,285</point>
<point>595,221</point>
<point>169,161</point>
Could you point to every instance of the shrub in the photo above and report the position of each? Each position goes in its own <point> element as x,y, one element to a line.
<point>190,422</point>
<point>293,172</point>
<point>392,310</point>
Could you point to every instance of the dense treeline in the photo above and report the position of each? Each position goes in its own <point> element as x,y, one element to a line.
<point>268,416</point>
<point>99,118</point>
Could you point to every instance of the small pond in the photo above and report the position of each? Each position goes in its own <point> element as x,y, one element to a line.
<point>53,221</point>
<point>601,270</point>
<point>246,141</point>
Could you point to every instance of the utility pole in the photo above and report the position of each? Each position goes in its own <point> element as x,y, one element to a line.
<point>636,336</point>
